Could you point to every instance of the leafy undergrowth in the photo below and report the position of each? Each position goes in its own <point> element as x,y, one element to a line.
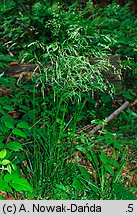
<point>43,154</point>
<point>42,144</point>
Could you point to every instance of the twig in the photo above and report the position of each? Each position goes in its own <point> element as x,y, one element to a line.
<point>111,117</point>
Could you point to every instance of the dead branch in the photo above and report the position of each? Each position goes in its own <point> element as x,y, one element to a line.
<point>111,117</point>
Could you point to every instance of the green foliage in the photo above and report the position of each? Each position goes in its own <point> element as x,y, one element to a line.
<point>122,193</point>
<point>10,177</point>
<point>11,151</point>
<point>14,181</point>
<point>102,174</point>
<point>39,117</point>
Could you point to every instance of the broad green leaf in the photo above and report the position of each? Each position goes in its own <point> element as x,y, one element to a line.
<point>8,124</point>
<point>122,192</point>
<point>6,118</point>
<point>88,156</point>
<point>58,120</point>
<point>8,154</point>
<point>61,186</point>
<point>9,177</point>
<point>5,162</point>
<point>3,153</point>
<point>77,185</point>
<point>81,149</point>
<point>23,125</point>
<point>134,114</point>
<point>3,128</point>
<point>26,108</point>
<point>109,138</point>
<point>7,107</point>
<point>85,173</point>
<point>4,81</point>
<point>19,132</point>
<point>113,163</point>
<point>14,146</point>
<point>2,112</point>
<point>20,158</point>
<point>103,158</point>
<point>1,145</point>
<point>118,146</point>
<point>109,168</point>
<point>1,138</point>
<point>4,186</point>
<point>106,98</point>
<point>9,168</point>
<point>32,113</point>
<point>14,167</point>
<point>21,184</point>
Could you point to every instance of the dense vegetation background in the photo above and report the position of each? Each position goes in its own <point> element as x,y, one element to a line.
<point>43,154</point>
